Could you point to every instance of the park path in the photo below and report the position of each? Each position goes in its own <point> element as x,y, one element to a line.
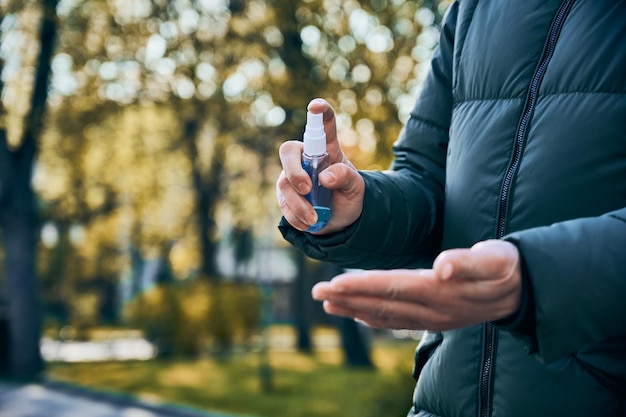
<point>55,400</point>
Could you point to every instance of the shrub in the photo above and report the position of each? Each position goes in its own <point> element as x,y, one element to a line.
<point>186,319</point>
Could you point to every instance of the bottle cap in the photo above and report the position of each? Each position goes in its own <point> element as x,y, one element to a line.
<point>314,135</point>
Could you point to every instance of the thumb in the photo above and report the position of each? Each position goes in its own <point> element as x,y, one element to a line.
<point>491,259</point>
<point>343,178</point>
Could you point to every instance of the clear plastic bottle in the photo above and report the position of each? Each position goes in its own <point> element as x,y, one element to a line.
<point>315,160</point>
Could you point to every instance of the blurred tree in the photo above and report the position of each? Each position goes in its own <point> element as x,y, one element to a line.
<point>5,360</point>
<point>302,301</point>
<point>18,214</point>
<point>243,245</point>
<point>206,65</point>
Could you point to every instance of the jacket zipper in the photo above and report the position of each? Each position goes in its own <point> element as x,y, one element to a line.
<point>529,108</point>
<point>490,334</point>
<point>486,375</point>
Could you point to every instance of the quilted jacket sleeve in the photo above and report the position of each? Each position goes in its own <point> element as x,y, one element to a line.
<point>400,226</point>
<point>577,278</point>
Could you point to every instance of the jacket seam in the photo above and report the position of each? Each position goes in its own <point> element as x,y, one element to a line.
<point>616,217</point>
<point>456,65</point>
<point>568,93</point>
<point>485,100</point>
<point>542,95</point>
<point>429,123</point>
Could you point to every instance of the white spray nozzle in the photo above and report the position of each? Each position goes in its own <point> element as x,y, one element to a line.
<point>314,135</point>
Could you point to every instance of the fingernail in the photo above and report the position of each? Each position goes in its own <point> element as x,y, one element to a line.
<point>311,218</point>
<point>314,102</point>
<point>446,272</point>
<point>302,188</point>
<point>328,177</point>
<point>317,291</point>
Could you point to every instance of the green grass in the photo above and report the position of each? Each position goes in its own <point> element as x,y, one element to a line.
<point>301,385</point>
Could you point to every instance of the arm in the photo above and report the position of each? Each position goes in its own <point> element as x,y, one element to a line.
<point>576,272</point>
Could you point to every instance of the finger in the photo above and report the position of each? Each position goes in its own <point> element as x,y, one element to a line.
<point>489,260</point>
<point>294,207</point>
<point>295,221</point>
<point>290,154</point>
<point>368,319</point>
<point>418,286</point>
<point>392,314</point>
<point>343,178</point>
<point>319,105</point>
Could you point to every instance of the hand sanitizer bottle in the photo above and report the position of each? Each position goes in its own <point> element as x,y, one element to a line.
<point>315,160</point>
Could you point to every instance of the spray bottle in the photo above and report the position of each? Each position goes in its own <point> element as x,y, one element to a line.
<point>315,160</point>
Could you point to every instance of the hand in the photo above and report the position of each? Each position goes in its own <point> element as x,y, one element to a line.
<point>465,286</point>
<point>341,177</point>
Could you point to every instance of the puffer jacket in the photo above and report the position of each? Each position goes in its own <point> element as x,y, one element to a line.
<point>519,133</point>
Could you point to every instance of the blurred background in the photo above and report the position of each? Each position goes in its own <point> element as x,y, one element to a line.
<point>138,154</point>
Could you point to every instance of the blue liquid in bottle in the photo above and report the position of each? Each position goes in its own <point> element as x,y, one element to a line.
<point>314,160</point>
<point>319,197</point>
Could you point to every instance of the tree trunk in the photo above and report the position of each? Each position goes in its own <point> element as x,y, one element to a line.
<point>19,220</point>
<point>207,188</point>
<point>354,344</point>
<point>302,305</point>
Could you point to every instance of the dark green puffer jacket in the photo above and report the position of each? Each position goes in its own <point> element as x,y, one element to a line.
<point>519,133</point>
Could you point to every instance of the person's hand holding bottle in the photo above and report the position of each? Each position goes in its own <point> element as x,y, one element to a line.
<point>340,177</point>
